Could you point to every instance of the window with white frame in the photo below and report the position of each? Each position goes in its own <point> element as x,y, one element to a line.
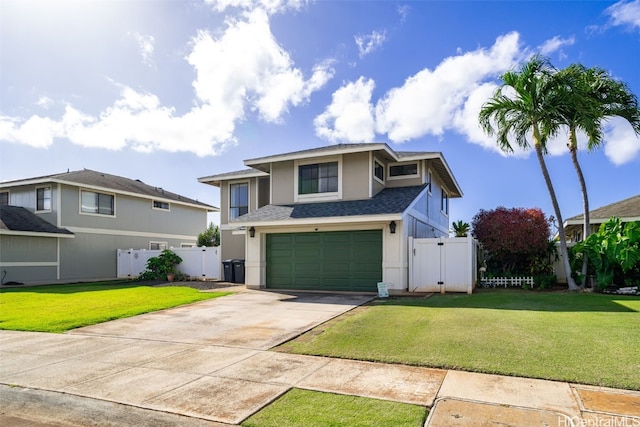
<point>4,198</point>
<point>238,200</point>
<point>92,202</point>
<point>160,205</point>
<point>378,170</point>
<point>318,178</point>
<point>43,199</point>
<point>157,246</point>
<point>444,202</point>
<point>403,170</point>
<point>429,180</point>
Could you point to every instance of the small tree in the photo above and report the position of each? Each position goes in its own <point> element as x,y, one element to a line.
<point>513,238</point>
<point>160,266</point>
<point>210,236</point>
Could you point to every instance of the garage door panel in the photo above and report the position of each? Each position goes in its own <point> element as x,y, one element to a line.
<point>334,261</point>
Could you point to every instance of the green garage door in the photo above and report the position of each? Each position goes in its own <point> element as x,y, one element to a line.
<point>334,261</point>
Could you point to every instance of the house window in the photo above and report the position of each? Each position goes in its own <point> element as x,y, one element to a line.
<point>444,202</point>
<point>238,200</point>
<point>378,171</point>
<point>157,246</point>
<point>161,205</point>
<point>429,180</point>
<point>97,203</point>
<point>318,178</point>
<point>43,199</point>
<point>4,198</point>
<point>409,169</point>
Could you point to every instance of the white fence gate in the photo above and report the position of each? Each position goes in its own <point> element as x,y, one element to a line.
<point>443,264</point>
<point>201,263</point>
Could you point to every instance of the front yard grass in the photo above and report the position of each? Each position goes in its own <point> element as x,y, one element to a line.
<point>304,408</point>
<point>59,308</point>
<point>581,338</point>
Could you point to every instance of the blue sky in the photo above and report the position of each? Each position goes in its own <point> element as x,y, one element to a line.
<point>169,91</point>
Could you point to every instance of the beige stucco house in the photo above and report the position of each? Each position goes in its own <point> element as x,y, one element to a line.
<point>333,218</point>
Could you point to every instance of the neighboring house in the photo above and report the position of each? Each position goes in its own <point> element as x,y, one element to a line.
<point>627,210</point>
<point>68,226</point>
<point>333,218</point>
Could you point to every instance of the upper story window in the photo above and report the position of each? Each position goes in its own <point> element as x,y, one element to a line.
<point>4,198</point>
<point>160,205</point>
<point>97,203</point>
<point>429,180</point>
<point>43,199</point>
<point>238,200</point>
<point>404,170</point>
<point>318,178</point>
<point>444,202</point>
<point>378,170</point>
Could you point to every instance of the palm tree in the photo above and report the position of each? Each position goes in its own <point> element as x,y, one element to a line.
<point>528,102</point>
<point>461,228</point>
<point>592,97</point>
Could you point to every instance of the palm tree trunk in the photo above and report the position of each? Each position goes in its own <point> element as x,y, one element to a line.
<point>563,239</point>
<point>573,149</point>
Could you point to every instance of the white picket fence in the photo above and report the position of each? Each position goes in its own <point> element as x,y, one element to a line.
<point>199,263</point>
<point>500,282</point>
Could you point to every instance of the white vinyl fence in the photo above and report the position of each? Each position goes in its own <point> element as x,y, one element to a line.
<point>443,264</point>
<point>200,263</point>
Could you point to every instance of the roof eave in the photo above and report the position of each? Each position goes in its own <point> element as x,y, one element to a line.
<point>316,220</point>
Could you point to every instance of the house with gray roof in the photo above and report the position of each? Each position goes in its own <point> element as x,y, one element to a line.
<point>334,218</point>
<point>628,210</point>
<point>68,226</point>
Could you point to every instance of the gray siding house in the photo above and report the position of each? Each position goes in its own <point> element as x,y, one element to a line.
<point>333,218</point>
<point>91,215</point>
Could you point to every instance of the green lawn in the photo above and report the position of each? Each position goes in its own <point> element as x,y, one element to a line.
<point>583,338</point>
<point>303,408</point>
<point>59,308</point>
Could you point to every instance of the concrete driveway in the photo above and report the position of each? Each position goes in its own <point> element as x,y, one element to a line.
<point>255,320</point>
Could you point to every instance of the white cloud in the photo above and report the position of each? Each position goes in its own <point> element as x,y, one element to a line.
<point>367,43</point>
<point>270,6</point>
<point>403,11</point>
<point>244,70</point>
<point>625,13</point>
<point>146,47</point>
<point>622,144</point>
<point>428,101</point>
<point>45,102</point>
<point>349,118</point>
<point>552,45</point>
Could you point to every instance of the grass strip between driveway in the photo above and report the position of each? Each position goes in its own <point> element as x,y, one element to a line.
<point>59,308</point>
<point>582,338</point>
<point>304,408</point>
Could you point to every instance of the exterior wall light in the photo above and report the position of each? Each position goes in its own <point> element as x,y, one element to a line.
<point>252,232</point>
<point>392,227</point>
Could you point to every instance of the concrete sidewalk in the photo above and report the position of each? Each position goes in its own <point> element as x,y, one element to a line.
<point>219,372</point>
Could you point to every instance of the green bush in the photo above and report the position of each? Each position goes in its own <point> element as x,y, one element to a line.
<point>158,267</point>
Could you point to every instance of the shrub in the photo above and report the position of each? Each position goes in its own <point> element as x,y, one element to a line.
<point>158,267</point>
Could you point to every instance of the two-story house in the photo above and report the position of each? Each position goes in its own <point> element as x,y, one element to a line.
<point>68,226</point>
<point>333,218</point>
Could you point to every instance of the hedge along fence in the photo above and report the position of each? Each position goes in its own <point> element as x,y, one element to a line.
<point>499,282</point>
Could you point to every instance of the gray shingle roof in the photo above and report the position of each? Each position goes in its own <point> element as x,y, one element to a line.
<point>388,201</point>
<point>16,218</point>
<point>627,208</point>
<point>115,183</point>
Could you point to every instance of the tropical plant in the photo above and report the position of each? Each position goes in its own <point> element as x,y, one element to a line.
<point>460,228</point>
<point>591,97</point>
<point>528,102</point>
<point>160,266</point>
<point>210,236</point>
<point>614,252</point>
